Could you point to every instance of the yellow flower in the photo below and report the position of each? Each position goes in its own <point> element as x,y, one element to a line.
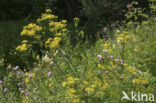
<point>58,34</point>
<point>105,86</point>
<point>64,21</point>
<point>33,75</point>
<point>31,30</point>
<point>139,80</point>
<point>38,28</point>
<point>106,45</point>
<point>64,84</point>
<point>71,90</point>
<point>89,89</point>
<point>48,41</point>
<point>55,42</point>
<point>64,30</point>
<point>85,83</point>
<point>48,10</point>
<point>71,95</point>
<point>123,37</point>
<point>26,80</point>
<point>26,74</point>
<point>125,64</point>
<point>37,37</point>
<point>24,32</point>
<point>25,100</point>
<point>50,85</point>
<point>101,66</point>
<point>22,47</point>
<point>24,41</point>
<point>31,33</point>
<point>76,101</point>
<point>131,70</point>
<point>70,80</point>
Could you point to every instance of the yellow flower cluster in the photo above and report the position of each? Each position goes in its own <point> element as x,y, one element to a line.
<point>101,66</point>
<point>58,27</point>
<point>46,17</point>
<point>91,85</point>
<point>53,43</point>
<point>23,47</point>
<point>139,80</point>
<point>31,30</point>
<point>40,31</point>
<point>106,45</point>
<point>48,10</point>
<point>70,81</point>
<point>131,70</point>
<point>89,89</point>
<point>123,37</point>
<point>71,92</point>
<point>25,100</point>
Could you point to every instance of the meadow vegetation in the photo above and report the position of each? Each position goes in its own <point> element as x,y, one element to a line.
<point>54,62</point>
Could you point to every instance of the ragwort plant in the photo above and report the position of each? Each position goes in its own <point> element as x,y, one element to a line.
<point>44,35</point>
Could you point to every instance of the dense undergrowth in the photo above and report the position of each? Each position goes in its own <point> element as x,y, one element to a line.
<point>65,73</point>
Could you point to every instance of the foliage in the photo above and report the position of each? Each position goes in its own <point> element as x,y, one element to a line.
<point>75,71</point>
<point>98,74</point>
<point>14,9</point>
<point>135,15</point>
<point>44,35</point>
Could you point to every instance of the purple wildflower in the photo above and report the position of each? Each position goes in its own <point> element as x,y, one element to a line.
<point>19,84</point>
<point>49,73</point>
<point>5,90</point>
<point>51,63</point>
<point>121,62</point>
<point>18,73</point>
<point>106,51</point>
<point>99,57</point>
<point>117,60</point>
<point>121,77</point>
<point>27,94</point>
<point>22,91</point>
<point>16,67</point>
<point>29,75</point>
<point>106,72</point>
<point>35,98</point>
<point>111,56</point>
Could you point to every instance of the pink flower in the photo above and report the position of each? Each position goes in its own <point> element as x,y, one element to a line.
<point>51,63</point>
<point>16,67</point>
<point>18,73</point>
<point>35,98</point>
<point>22,91</point>
<point>49,73</point>
<point>99,57</point>
<point>27,94</point>
<point>129,6</point>
<point>5,90</point>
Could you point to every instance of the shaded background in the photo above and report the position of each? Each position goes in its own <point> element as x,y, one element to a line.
<point>95,16</point>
